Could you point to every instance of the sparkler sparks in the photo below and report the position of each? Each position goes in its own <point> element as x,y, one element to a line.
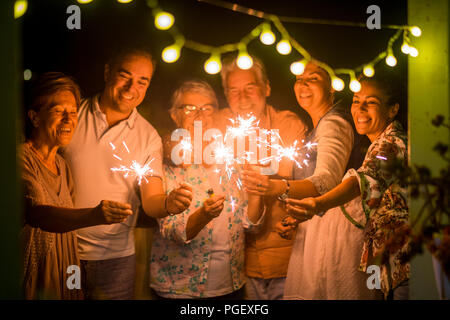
<point>141,172</point>
<point>136,170</point>
<point>293,152</point>
<point>242,126</point>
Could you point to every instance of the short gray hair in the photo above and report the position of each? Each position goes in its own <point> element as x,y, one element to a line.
<point>197,86</point>
<point>229,64</point>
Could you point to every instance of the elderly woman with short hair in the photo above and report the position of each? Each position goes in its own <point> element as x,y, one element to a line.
<point>200,252</point>
<point>50,244</point>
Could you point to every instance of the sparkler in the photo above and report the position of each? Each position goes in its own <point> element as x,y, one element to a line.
<point>293,152</point>
<point>135,169</point>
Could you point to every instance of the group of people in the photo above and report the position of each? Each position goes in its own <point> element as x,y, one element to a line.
<point>302,233</point>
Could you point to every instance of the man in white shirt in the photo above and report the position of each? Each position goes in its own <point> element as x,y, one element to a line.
<point>110,134</point>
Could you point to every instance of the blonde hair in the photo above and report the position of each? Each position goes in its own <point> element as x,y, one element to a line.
<point>229,65</point>
<point>197,86</point>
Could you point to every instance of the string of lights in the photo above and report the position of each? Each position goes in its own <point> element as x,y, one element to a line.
<point>166,21</point>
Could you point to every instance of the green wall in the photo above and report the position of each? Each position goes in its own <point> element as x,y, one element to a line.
<point>10,217</point>
<point>428,94</point>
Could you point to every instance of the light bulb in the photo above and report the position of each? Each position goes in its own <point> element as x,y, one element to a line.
<point>391,60</point>
<point>244,61</point>
<point>355,85</point>
<point>337,84</point>
<point>267,37</point>
<point>27,74</point>
<point>415,31</point>
<point>20,7</point>
<point>405,48</point>
<point>413,52</point>
<point>124,1</point>
<point>164,20</point>
<point>369,71</point>
<point>284,47</point>
<point>84,1</point>
<point>298,67</point>
<point>171,53</point>
<point>213,65</point>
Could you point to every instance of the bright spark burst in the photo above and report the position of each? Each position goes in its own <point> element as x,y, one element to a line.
<point>242,126</point>
<point>294,152</point>
<point>135,169</point>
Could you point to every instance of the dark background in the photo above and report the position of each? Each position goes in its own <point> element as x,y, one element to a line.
<point>48,45</point>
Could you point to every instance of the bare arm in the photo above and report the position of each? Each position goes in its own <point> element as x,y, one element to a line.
<point>344,192</point>
<point>157,204</point>
<point>57,219</point>
<point>305,209</point>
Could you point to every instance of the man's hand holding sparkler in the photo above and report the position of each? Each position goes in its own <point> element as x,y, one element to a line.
<point>109,212</point>
<point>179,199</point>
<point>286,227</point>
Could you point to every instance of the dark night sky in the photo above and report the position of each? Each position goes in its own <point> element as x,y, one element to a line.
<point>49,46</point>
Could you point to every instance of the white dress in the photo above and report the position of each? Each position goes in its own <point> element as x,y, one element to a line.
<point>326,256</point>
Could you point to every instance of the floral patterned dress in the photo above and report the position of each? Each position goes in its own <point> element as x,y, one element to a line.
<point>385,206</point>
<point>179,267</point>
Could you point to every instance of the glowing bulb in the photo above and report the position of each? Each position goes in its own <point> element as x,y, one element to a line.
<point>20,7</point>
<point>405,48</point>
<point>84,1</point>
<point>369,71</point>
<point>337,84</point>
<point>284,47</point>
<point>413,52</point>
<point>244,61</point>
<point>164,20</point>
<point>27,74</point>
<point>415,31</point>
<point>391,60</point>
<point>355,85</point>
<point>298,67</point>
<point>213,65</point>
<point>267,37</point>
<point>124,1</point>
<point>171,54</point>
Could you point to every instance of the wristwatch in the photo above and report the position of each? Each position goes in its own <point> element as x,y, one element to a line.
<point>285,195</point>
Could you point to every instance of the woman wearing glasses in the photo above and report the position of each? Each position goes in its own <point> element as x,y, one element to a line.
<point>200,252</point>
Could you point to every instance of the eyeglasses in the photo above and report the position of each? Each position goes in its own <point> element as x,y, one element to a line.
<point>206,109</point>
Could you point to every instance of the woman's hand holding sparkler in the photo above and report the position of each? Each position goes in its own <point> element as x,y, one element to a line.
<point>179,199</point>
<point>109,212</point>
<point>302,210</point>
<point>213,206</point>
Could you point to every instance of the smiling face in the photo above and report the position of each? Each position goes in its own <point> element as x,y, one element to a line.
<point>127,82</point>
<point>194,106</point>
<point>313,88</point>
<point>245,94</point>
<point>371,111</point>
<point>55,122</point>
